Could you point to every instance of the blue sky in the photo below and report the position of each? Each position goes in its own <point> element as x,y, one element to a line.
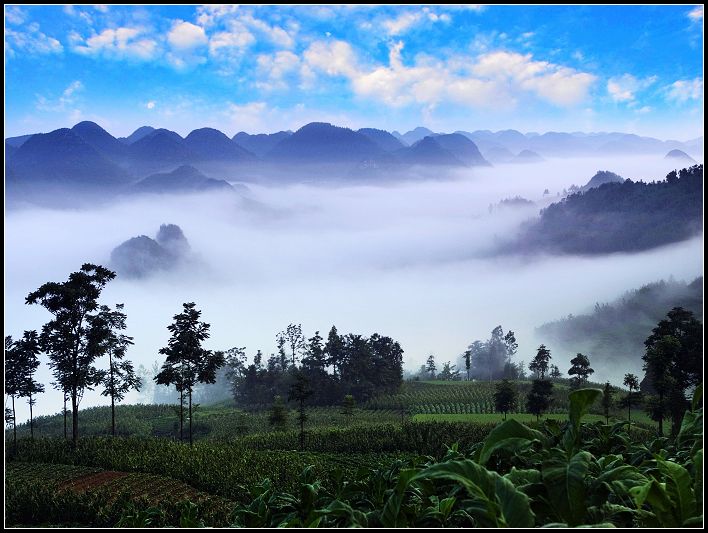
<point>637,69</point>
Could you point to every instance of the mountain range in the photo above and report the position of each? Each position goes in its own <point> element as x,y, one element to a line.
<point>88,156</point>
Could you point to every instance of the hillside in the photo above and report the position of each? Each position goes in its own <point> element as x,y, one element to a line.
<point>620,217</point>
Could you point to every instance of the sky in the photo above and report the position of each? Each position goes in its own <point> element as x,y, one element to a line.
<point>636,69</point>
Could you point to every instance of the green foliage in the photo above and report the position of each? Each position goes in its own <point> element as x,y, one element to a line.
<point>505,397</point>
<point>278,417</point>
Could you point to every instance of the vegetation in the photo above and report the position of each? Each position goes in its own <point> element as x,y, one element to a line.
<point>614,217</point>
<point>580,370</point>
<point>505,397</point>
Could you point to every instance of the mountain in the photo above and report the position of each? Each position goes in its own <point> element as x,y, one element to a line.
<point>462,148</point>
<point>320,142</point>
<point>160,147</point>
<point>382,138</point>
<point>600,178</point>
<point>398,136</point>
<point>100,139</point>
<point>413,136</point>
<point>498,154</point>
<point>680,157</point>
<point>18,141</point>
<point>428,152</point>
<point>613,333</point>
<point>10,150</point>
<point>62,157</point>
<point>182,179</point>
<point>620,217</point>
<point>262,143</point>
<point>138,134</point>
<point>527,156</point>
<point>208,144</point>
<point>142,256</point>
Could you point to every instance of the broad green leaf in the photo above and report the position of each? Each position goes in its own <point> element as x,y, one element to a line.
<point>678,486</point>
<point>390,514</point>
<point>521,477</point>
<point>698,484</point>
<point>580,402</point>
<point>508,435</point>
<point>697,397</point>
<point>691,427</point>
<point>565,483</point>
<point>515,504</point>
<point>654,494</point>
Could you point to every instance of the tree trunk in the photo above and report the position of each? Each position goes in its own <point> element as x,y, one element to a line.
<point>14,423</point>
<point>65,435</point>
<point>74,417</point>
<point>190,415</point>
<point>112,386</point>
<point>31,425</point>
<point>181,414</point>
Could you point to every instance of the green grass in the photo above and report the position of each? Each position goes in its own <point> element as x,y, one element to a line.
<point>497,417</point>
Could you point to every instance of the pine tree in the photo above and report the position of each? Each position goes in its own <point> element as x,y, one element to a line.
<point>430,366</point>
<point>607,401</point>
<point>505,397</point>
<point>580,367</point>
<point>539,364</point>
<point>300,391</point>
<point>278,416</point>
<point>539,399</point>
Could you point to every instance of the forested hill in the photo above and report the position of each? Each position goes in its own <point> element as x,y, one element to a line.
<point>616,331</point>
<point>620,217</point>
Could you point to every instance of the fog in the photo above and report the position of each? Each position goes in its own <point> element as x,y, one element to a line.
<point>413,260</point>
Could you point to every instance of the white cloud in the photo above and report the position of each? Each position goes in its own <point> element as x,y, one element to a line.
<point>249,117</point>
<point>64,102</point>
<point>31,41</point>
<point>186,36</point>
<point>237,37</point>
<point>208,15</point>
<point>273,68</point>
<point>117,43</point>
<point>150,104</point>
<point>494,79</point>
<point>696,14</point>
<point>275,34</point>
<point>400,24</point>
<point>14,15</point>
<point>644,110</point>
<point>624,88</point>
<point>684,90</point>
<point>101,7</point>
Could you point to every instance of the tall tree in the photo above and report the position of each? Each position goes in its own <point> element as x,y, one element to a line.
<point>580,368</point>
<point>348,406</point>
<point>430,366</point>
<point>505,396</point>
<point>496,352</point>
<point>65,338</point>
<point>607,401</point>
<point>187,363</point>
<point>632,383</point>
<point>539,364</point>
<point>294,339</point>
<point>555,372</point>
<point>540,397</point>
<point>468,362</point>
<point>684,370</point>
<point>13,383</point>
<point>278,416</point>
<point>300,391</point>
<point>511,346</point>
<point>28,350</point>
<point>448,372</point>
<point>120,377</point>
<point>334,351</point>
<point>659,358</point>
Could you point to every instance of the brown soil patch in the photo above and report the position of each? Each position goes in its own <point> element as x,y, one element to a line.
<point>91,481</point>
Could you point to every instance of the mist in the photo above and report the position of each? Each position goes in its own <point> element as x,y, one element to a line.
<point>411,259</point>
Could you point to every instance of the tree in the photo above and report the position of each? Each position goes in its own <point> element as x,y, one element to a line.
<point>468,357</point>
<point>334,351</point>
<point>683,370</point>
<point>580,367</point>
<point>107,339</point>
<point>539,364</point>
<point>632,383</point>
<point>13,382</point>
<point>27,352</point>
<point>65,338</point>
<point>430,366</point>
<point>187,363</point>
<point>449,373</point>
<point>295,340</point>
<point>555,372</point>
<point>496,352</point>
<point>278,416</point>
<point>348,406</point>
<point>658,361</point>
<point>539,399</point>
<point>607,401</point>
<point>505,397</point>
<point>511,346</point>
<point>300,391</point>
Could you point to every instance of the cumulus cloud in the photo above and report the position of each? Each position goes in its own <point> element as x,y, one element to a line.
<point>696,14</point>
<point>624,88</point>
<point>14,15</point>
<point>150,104</point>
<point>119,43</point>
<point>32,40</point>
<point>64,102</point>
<point>496,78</point>
<point>684,90</point>
<point>274,68</point>
<point>186,36</point>
<point>409,19</point>
<point>235,37</point>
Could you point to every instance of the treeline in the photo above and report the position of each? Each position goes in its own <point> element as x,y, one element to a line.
<point>341,365</point>
<point>621,217</point>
